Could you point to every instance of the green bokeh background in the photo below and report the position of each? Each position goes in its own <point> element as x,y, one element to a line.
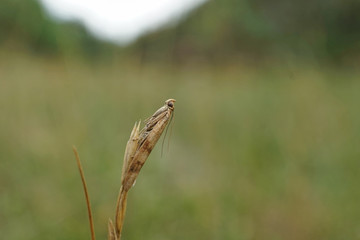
<point>262,146</point>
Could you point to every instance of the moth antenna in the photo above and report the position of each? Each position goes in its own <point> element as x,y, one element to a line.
<point>166,130</point>
<point>172,122</point>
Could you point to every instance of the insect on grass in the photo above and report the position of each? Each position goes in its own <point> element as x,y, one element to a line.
<point>138,149</point>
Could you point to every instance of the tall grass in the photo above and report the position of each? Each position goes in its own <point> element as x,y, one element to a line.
<point>256,153</point>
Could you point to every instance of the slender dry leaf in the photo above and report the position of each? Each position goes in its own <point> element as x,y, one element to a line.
<point>91,222</point>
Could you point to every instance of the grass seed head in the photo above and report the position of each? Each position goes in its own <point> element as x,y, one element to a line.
<point>138,149</point>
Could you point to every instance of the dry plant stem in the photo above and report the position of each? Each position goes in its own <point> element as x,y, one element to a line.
<point>120,211</point>
<point>86,193</point>
<point>138,148</point>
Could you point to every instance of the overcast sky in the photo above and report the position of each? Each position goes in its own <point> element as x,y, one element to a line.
<point>120,21</point>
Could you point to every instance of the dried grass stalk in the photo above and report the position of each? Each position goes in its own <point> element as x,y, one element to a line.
<point>88,205</point>
<point>137,150</point>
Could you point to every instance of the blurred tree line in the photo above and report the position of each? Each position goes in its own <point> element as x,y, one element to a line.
<point>217,31</point>
<point>25,22</point>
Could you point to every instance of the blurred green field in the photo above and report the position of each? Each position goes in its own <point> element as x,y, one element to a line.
<point>270,153</point>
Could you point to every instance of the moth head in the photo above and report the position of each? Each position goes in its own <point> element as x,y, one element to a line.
<point>170,103</point>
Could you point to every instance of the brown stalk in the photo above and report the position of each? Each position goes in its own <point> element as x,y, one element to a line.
<point>120,211</point>
<point>92,229</point>
<point>138,149</point>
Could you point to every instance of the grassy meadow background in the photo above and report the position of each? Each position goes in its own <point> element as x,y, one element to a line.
<point>257,151</point>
